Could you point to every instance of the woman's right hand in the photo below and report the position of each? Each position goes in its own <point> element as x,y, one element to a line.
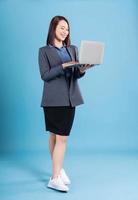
<point>67,64</point>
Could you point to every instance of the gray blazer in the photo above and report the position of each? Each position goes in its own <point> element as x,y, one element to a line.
<point>55,89</point>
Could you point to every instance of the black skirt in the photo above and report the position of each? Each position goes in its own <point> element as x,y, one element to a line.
<point>59,119</point>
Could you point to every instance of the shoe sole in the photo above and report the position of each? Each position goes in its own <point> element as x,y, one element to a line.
<point>53,188</point>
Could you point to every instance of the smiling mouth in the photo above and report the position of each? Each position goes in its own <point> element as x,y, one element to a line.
<point>63,36</point>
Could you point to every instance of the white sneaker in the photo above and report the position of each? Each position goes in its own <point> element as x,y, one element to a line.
<point>57,184</point>
<point>64,177</point>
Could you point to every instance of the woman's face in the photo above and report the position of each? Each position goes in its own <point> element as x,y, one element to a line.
<point>62,30</point>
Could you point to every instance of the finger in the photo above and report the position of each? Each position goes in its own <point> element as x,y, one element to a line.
<point>86,66</point>
<point>90,65</point>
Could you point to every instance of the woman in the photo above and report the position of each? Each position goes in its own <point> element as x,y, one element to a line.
<point>61,94</point>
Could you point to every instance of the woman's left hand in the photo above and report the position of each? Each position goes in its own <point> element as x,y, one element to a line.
<point>84,67</point>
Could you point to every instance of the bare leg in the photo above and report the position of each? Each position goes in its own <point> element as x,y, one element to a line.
<point>58,154</point>
<point>52,141</point>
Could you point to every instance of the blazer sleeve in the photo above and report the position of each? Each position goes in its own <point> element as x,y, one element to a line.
<point>77,73</point>
<point>48,73</point>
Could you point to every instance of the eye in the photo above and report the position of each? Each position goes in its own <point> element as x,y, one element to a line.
<point>63,28</point>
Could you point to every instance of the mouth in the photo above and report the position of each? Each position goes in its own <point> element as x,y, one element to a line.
<point>63,36</point>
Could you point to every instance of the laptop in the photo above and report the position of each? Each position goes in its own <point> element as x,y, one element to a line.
<point>91,52</point>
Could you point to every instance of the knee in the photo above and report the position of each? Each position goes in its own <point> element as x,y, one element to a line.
<point>61,139</point>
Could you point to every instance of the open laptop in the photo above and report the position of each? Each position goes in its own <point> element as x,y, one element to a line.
<point>91,52</point>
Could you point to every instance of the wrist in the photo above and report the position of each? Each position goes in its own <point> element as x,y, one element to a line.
<point>63,66</point>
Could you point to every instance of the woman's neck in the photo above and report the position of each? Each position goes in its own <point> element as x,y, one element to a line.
<point>58,43</point>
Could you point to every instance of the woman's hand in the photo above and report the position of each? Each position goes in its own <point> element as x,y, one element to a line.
<point>84,67</point>
<point>67,64</point>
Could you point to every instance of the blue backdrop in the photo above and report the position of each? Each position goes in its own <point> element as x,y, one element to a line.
<point>109,118</point>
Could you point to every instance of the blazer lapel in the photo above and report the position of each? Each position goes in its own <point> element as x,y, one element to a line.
<point>53,56</point>
<point>71,53</point>
<point>69,49</point>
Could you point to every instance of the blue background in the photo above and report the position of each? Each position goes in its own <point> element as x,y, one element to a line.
<point>108,121</point>
<point>102,153</point>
